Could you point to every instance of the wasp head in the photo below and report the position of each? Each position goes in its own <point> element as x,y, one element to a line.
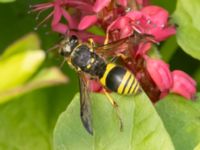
<point>67,45</point>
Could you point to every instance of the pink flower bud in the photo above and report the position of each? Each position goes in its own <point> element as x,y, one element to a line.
<point>183,84</point>
<point>160,73</point>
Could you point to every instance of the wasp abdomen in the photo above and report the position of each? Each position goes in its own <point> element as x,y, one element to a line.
<point>120,80</point>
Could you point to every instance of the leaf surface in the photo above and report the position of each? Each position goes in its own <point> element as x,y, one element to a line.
<point>142,127</point>
<point>182,120</point>
<point>186,16</point>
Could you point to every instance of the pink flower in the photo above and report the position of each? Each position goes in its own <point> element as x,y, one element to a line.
<point>100,4</point>
<point>59,11</point>
<point>160,73</point>
<point>122,2</point>
<point>87,21</point>
<point>183,84</point>
<point>151,20</point>
<point>177,81</point>
<point>158,23</point>
<point>145,24</point>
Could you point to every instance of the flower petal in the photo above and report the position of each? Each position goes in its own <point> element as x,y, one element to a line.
<point>94,86</point>
<point>57,14</point>
<point>121,24</point>
<point>122,2</point>
<point>160,73</point>
<point>143,47</point>
<point>100,4</point>
<point>183,84</point>
<point>157,14</point>
<point>71,21</point>
<point>143,2</point>
<point>87,21</point>
<point>163,33</point>
<point>60,28</point>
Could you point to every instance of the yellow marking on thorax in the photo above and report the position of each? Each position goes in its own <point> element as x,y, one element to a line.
<point>122,84</point>
<point>109,67</point>
<point>92,60</point>
<point>88,66</point>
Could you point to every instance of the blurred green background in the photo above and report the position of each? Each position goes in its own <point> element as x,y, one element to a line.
<point>32,115</point>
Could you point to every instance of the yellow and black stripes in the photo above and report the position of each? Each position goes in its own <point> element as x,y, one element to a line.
<point>120,80</point>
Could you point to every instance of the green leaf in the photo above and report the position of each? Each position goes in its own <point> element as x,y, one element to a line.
<point>45,78</point>
<point>28,42</point>
<point>142,127</point>
<point>27,121</point>
<point>168,48</point>
<point>186,17</point>
<point>182,120</point>
<point>197,147</point>
<point>6,1</point>
<point>18,68</point>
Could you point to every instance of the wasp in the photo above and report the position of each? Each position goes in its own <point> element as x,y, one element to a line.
<point>85,59</point>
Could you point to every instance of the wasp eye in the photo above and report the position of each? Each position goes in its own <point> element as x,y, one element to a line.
<point>73,41</point>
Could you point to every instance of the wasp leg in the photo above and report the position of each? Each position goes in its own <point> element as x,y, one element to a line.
<point>106,39</point>
<point>115,106</point>
<point>122,56</point>
<point>62,64</point>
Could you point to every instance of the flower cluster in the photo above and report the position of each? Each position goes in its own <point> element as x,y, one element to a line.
<point>120,19</point>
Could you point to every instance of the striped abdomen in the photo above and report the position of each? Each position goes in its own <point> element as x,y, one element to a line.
<point>120,80</point>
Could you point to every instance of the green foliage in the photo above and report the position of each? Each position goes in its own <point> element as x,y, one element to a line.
<point>142,127</point>
<point>186,17</point>
<point>23,65</point>
<point>6,1</point>
<point>28,42</point>
<point>19,63</point>
<point>24,123</point>
<point>27,115</point>
<point>31,97</point>
<point>182,120</point>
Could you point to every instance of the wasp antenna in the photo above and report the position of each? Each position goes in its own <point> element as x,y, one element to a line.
<point>62,64</point>
<point>53,48</point>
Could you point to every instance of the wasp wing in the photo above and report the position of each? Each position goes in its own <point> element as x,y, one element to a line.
<point>85,106</point>
<point>110,48</point>
<point>124,43</point>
